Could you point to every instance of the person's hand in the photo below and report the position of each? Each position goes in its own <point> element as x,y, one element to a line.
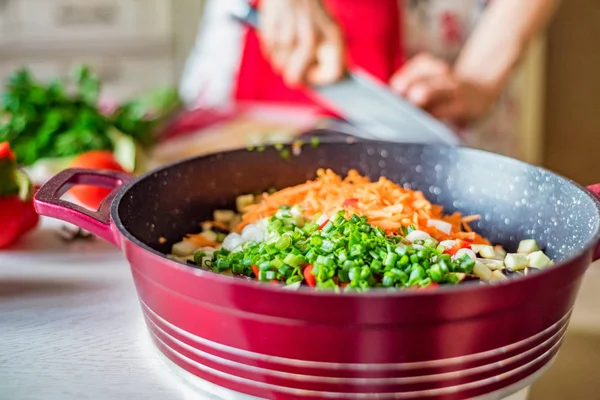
<point>302,41</point>
<point>431,84</point>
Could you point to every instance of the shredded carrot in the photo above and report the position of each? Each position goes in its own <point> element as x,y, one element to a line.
<point>200,240</point>
<point>385,204</point>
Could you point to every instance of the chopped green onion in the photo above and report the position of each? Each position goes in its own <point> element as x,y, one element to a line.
<point>270,275</point>
<point>293,259</point>
<point>417,274</point>
<point>390,260</point>
<point>265,266</point>
<point>436,273</point>
<point>284,242</point>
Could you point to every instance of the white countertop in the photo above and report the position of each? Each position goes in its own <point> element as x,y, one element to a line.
<point>71,327</point>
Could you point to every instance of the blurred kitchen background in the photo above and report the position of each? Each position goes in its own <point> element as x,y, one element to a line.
<point>135,45</point>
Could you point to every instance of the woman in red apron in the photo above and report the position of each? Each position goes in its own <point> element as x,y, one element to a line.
<point>313,41</point>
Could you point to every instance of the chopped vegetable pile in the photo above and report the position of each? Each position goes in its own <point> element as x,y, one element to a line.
<point>349,249</point>
<point>385,204</point>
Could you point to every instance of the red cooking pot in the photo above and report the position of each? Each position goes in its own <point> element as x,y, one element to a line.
<point>453,342</point>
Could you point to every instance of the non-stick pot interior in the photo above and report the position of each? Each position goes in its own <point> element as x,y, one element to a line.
<point>515,200</point>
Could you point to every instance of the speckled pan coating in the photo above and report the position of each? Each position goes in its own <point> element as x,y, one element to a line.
<point>515,200</point>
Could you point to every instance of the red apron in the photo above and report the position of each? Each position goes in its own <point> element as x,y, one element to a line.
<point>372,32</point>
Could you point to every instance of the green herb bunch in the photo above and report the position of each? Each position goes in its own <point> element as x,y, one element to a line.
<point>63,118</point>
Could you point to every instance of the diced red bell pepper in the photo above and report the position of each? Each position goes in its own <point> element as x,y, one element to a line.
<point>460,244</point>
<point>323,224</point>
<point>255,270</point>
<point>432,285</point>
<point>308,276</point>
<point>6,152</point>
<point>350,203</point>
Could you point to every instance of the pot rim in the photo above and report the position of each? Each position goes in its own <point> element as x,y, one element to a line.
<point>471,288</point>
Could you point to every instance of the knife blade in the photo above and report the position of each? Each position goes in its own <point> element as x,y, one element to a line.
<point>368,104</point>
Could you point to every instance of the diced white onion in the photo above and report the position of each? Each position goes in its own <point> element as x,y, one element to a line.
<point>232,241</point>
<point>417,235</point>
<point>440,225</point>
<point>461,253</point>
<point>448,243</point>
<point>253,233</point>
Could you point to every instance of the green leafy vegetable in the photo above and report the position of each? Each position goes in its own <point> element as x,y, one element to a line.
<point>63,118</point>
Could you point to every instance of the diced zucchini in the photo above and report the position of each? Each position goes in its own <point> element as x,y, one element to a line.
<point>516,262</point>
<point>221,237</point>
<point>184,249</point>
<point>210,235</point>
<point>477,247</point>
<point>175,258</point>
<point>223,216</point>
<point>498,276</point>
<point>500,252</point>
<point>482,272</point>
<point>539,260</point>
<point>527,246</point>
<point>235,221</point>
<point>487,252</point>
<point>492,264</point>
<point>241,202</point>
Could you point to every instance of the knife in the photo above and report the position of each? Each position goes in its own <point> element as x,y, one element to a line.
<point>369,105</point>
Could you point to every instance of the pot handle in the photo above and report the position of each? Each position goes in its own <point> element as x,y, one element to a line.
<point>48,200</point>
<point>595,189</point>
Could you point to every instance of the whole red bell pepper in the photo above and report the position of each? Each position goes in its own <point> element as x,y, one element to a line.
<point>17,215</point>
